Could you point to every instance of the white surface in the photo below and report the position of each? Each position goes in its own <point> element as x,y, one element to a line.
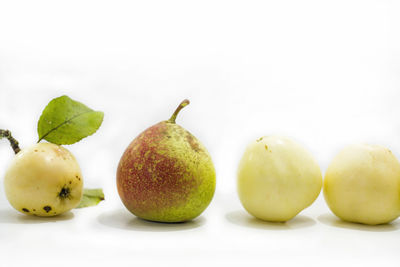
<point>326,73</point>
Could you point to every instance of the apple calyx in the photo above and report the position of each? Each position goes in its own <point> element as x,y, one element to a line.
<point>183,104</point>
<point>65,193</point>
<point>13,142</point>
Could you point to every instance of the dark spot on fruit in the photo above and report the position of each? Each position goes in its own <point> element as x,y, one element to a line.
<point>266,147</point>
<point>168,136</point>
<point>259,139</point>
<point>70,182</point>
<point>34,210</point>
<point>77,177</point>
<point>36,150</point>
<point>64,193</point>
<point>47,208</point>
<point>25,209</point>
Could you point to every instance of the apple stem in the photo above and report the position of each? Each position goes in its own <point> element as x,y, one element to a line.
<point>183,104</point>
<point>13,142</point>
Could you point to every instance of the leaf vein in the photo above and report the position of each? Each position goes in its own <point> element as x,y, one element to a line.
<point>64,122</point>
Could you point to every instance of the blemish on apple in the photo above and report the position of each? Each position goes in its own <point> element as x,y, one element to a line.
<point>47,208</point>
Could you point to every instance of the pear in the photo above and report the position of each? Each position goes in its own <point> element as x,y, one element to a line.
<point>166,174</point>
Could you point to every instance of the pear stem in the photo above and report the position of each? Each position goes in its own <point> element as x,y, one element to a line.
<point>183,104</point>
<point>13,142</point>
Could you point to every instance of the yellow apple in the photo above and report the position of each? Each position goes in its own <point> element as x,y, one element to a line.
<point>362,184</point>
<point>43,180</point>
<point>277,178</point>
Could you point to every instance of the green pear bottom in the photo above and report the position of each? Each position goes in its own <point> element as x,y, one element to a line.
<point>166,175</point>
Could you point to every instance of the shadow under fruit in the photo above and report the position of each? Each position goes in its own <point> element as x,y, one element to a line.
<point>166,174</point>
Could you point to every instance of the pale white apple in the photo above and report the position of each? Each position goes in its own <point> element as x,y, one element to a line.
<point>277,178</point>
<point>362,184</point>
<point>44,180</point>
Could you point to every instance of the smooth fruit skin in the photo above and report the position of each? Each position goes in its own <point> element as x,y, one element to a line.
<point>43,180</point>
<point>277,178</point>
<point>362,185</point>
<point>166,175</point>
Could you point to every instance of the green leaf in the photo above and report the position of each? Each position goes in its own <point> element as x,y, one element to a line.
<point>65,121</point>
<point>91,197</point>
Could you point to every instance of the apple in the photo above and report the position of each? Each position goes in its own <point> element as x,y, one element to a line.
<point>362,185</point>
<point>43,180</point>
<point>277,178</point>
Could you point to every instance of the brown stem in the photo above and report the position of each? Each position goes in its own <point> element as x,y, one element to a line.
<point>13,142</point>
<point>183,104</point>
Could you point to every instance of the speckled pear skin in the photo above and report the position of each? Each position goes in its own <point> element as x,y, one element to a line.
<point>166,175</point>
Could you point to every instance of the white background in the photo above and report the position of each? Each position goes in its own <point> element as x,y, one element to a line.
<point>326,73</point>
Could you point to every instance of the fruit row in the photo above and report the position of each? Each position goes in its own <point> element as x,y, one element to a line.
<point>167,175</point>
<point>278,178</point>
